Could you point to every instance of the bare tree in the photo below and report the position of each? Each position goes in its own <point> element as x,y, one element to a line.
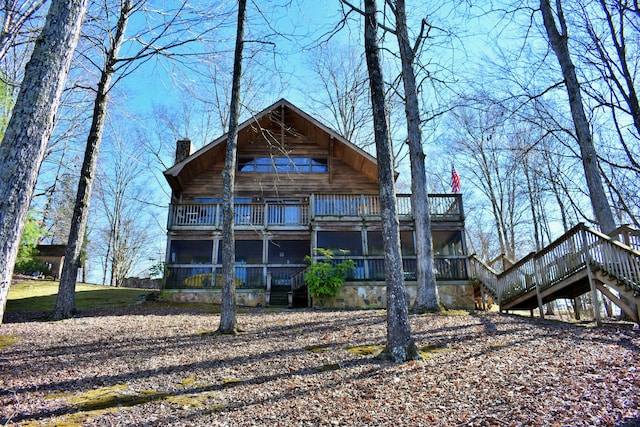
<point>427,295</point>
<point>17,23</point>
<point>164,37</point>
<point>31,124</point>
<point>484,145</point>
<point>343,90</point>
<point>558,39</point>
<point>65,303</point>
<point>228,321</point>
<point>610,56</point>
<point>21,21</point>
<point>400,345</point>
<point>121,194</point>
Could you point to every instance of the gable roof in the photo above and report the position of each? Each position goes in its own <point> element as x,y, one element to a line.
<point>183,171</point>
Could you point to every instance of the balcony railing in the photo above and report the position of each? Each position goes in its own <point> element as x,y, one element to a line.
<point>444,207</point>
<point>254,276</point>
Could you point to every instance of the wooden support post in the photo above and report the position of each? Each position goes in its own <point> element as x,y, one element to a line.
<point>538,278</point>
<point>267,295</point>
<point>331,160</point>
<point>592,285</point>
<point>626,308</point>
<point>483,298</point>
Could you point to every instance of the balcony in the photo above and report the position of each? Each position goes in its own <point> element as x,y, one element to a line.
<point>321,207</point>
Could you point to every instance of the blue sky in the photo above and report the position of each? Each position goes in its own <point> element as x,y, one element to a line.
<point>282,69</point>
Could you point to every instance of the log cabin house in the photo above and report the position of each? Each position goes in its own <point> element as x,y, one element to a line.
<point>298,186</point>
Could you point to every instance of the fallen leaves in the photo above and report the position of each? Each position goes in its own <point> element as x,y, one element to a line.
<point>302,367</point>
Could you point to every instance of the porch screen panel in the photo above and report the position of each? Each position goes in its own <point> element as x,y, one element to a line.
<point>447,243</point>
<point>376,244</point>
<point>351,241</point>
<point>248,251</point>
<point>190,278</point>
<point>406,243</point>
<point>281,276</point>
<point>191,251</point>
<point>288,251</point>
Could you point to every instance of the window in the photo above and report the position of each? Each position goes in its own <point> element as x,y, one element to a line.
<point>283,164</point>
<point>191,251</point>
<point>284,211</point>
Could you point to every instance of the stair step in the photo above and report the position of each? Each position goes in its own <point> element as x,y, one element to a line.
<point>279,298</point>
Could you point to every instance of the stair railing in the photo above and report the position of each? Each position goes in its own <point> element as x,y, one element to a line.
<point>486,275</point>
<point>577,248</point>
<point>615,259</point>
<point>297,280</point>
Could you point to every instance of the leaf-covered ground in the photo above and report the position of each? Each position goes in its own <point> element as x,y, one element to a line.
<point>159,366</point>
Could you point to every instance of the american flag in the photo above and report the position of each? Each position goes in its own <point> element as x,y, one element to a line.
<point>455,180</point>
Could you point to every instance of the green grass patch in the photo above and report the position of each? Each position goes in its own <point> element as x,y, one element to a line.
<point>329,367</point>
<point>445,312</point>
<point>40,295</point>
<point>364,350</point>
<point>8,340</point>
<point>316,349</point>
<point>94,403</point>
<point>428,351</point>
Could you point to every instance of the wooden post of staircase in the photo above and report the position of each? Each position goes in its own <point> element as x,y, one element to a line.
<point>267,296</point>
<point>538,278</point>
<point>592,283</point>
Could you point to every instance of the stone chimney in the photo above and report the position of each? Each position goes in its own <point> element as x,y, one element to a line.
<point>184,148</point>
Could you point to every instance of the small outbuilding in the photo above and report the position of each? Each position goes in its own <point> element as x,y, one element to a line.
<point>53,257</point>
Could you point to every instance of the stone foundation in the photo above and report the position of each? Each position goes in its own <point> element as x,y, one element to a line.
<point>354,295</point>
<point>457,296</point>
<point>244,297</point>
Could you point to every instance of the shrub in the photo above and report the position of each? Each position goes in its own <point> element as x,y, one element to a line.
<point>326,277</point>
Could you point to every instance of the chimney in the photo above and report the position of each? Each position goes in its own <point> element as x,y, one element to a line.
<point>183,149</point>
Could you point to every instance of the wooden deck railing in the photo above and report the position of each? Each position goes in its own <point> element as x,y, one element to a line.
<point>628,235</point>
<point>575,250</point>
<point>444,207</point>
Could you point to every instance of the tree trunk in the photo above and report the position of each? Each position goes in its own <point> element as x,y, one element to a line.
<point>228,321</point>
<point>559,43</point>
<point>427,294</point>
<point>65,303</point>
<point>400,346</point>
<point>31,124</point>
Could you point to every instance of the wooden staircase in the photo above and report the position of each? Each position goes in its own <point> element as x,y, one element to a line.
<point>581,261</point>
<point>294,295</point>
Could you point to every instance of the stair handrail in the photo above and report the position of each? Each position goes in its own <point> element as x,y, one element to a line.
<point>560,259</point>
<point>628,235</point>
<point>614,258</point>
<point>485,275</point>
<point>297,280</point>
